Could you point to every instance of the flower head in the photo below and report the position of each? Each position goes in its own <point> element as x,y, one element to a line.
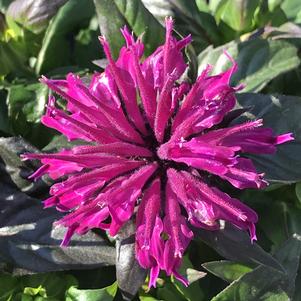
<point>154,145</point>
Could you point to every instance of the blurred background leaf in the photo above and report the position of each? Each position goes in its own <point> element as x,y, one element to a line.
<point>259,61</point>
<point>116,14</point>
<point>34,15</point>
<point>69,19</point>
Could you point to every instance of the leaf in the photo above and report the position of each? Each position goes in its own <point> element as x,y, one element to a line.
<point>237,14</point>
<point>194,275</point>
<point>59,35</point>
<point>281,113</point>
<point>35,291</point>
<point>8,287</point>
<point>189,20</point>
<point>87,47</point>
<point>193,292</point>
<point>288,30</point>
<point>30,99</point>
<point>202,5</point>
<point>5,126</point>
<point>12,58</point>
<point>159,9</point>
<point>226,270</point>
<point>14,169</point>
<point>259,61</point>
<point>27,238</point>
<point>263,283</point>
<point>114,14</point>
<point>26,105</point>
<point>59,142</point>
<point>29,242</point>
<point>34,15</point>
<point>52,285</point>
<point>266,283</point>
<point>273,4</point>
<point>289,256</point>
<point>298,191</point>
<point>103,294</point>
<point>201,24</point>
<point>235,245</point>
<point>169,292</point>
<point>292,9</point>
<point>144,297</point>
<point>130,276</point>
<point>4,4</point>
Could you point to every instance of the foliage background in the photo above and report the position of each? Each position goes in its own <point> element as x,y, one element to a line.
<point>53,38</point>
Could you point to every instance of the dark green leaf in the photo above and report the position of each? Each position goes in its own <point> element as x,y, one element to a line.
<point>130,275</point>
<point>281,113</point>
<point>289,256</point>
<point>59,142</point>
<point>227,270</point>
<point>141,22</point>
<point>8,286</point>
<point>263,284</point>
<point>30,99</point>
<point>110,21</point>
<point>29,241</point>
<point>52,285</point>
<point>103,294</point>
<point>27,238</point>
<point>189,20</point>
<point>200,23</point>
<point>286,218</point>
<point>4,4</point>
<point>193,63</point>
<point>298,191</point>
<point>193,292</point>
<point>145,297</point>
<point>113,15</point>
<point>34,15</point>
<point>169,292</point>
<point>26,105</point>
<point>87,47</point>
<point>60,34</point>
<point>12,165</point>
<point>12,58</point>
<point>5,125</point>
<point>259,61</point>
<point>235,245</point>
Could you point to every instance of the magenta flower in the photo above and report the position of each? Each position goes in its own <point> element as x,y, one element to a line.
<point>152,141</point>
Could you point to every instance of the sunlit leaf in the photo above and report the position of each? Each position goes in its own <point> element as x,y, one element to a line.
<point>227,270</point>
<point>259,61</point>
<point>103,294</point>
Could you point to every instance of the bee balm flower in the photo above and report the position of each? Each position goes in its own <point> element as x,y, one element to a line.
<point>152,142</point>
